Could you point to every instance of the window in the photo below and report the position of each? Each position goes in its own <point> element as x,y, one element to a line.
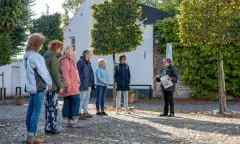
<point>73,42</point>
<point>145,54</point>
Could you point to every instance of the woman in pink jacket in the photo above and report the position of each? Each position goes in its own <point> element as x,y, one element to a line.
<point>71,91</point>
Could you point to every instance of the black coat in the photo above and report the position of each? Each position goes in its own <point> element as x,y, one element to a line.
<point>171,72</point>
<point>122,77</point>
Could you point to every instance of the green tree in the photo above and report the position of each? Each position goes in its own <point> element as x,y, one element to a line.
<point>168,32</point>
<point>153,3</point>
<point>10,13</point>
<point>50,27</point>
<point>115,29</point>
<point>213,22</point>
<point>19,35</point>
<point>71,5</point>
<point>5,49</point>
<point>65,19</point>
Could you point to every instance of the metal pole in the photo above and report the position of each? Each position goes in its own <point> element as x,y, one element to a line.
<point>2,86</point>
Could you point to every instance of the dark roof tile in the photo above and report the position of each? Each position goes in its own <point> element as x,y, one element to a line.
<point>153,14</point>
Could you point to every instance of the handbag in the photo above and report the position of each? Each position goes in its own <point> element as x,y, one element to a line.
<point>40,83</point>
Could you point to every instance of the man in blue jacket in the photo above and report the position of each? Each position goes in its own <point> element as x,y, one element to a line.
<point>86,75</point>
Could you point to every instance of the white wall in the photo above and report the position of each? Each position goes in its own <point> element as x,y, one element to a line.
<point>80,28</point>
<point>9,83</point>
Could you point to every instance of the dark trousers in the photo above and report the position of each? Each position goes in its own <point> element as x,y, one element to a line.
<point>51,111</point>
<point>101,93</point>
<point>71,103</point>
<point>168,100</point>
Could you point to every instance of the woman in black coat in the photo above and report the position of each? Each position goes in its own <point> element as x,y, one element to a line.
<point>122,77</point>
<point>168,93</point>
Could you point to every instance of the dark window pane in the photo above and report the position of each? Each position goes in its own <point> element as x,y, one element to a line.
<point>73,41</point>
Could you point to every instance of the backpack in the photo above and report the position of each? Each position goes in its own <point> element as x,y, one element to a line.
<point>118,67</point>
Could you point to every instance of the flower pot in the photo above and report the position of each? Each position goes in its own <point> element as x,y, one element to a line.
<point>131,97</point>
<point>19,101</point>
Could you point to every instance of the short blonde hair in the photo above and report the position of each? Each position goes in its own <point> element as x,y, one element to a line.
<point>54,44</point>
<point>64,52</point>
<point>35,42</point>
<point>100,62</point>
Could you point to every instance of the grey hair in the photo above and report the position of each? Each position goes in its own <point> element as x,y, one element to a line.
<point>85,52</point>
<point>100,62</point>
<point>168,60</point>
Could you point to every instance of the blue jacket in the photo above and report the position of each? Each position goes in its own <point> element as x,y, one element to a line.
<point>102,76</point>
<point>33,60</point>
<point>122,77</point>
<point>86,74</point>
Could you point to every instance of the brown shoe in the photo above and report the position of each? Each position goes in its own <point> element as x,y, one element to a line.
<point>87,115</point>
<point>82,117</point>
<point>35,139</point>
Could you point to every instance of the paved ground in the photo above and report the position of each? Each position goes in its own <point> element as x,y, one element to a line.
<point>142,127</point>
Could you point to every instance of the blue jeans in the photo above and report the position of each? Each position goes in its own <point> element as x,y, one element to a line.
<point>85,96</point>
<point>101,93</point>
<point>34,109</point>
<point>74,101</point>
<point>51,111</point>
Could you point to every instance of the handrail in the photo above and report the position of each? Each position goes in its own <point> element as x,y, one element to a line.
<point>150,88</point>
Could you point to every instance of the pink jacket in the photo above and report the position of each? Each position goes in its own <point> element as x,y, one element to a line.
<point>70,77</point>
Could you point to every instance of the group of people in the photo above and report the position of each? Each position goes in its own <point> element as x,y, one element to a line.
<point>57,74</point>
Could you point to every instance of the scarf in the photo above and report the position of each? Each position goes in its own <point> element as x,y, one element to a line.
<point>164,71</point>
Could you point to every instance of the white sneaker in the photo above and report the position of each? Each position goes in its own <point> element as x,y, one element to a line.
<point>117,112</point>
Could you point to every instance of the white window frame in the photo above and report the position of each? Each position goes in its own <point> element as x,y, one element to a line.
<point>71,42</point>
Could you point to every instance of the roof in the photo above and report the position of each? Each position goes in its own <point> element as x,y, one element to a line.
<point>153,14</point>
<point>150,15</point>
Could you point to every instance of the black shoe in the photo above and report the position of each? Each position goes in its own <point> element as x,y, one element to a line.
<point>171,115</point>
<point>99,113</point>
<point>163,114</point>
<point>104,114</point>
<point>52,132</point>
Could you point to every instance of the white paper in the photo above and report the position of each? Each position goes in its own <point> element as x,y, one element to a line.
<point>165,82</point>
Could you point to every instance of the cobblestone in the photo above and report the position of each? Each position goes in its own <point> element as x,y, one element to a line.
<point>142,127</point>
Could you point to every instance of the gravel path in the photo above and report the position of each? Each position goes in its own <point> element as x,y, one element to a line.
<point>142,127</point>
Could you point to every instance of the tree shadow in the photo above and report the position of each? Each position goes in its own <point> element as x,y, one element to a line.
<point>113,130</point>
<point>97,130</point>
<point>197,125</point>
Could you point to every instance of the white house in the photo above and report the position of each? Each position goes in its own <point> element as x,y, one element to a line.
<point>77,34</point>
<point>14,79</point>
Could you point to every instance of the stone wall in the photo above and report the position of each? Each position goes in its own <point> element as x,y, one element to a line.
<point>182,90</point>
<point>157,65</point>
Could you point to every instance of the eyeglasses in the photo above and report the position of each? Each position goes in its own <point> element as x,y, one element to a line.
<point>124,58</point>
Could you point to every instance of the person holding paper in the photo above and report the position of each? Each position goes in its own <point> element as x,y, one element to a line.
<point>168,78</point>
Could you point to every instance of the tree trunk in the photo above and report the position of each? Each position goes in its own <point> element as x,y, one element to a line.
<point>114,83</point>
<point>221,83</point>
